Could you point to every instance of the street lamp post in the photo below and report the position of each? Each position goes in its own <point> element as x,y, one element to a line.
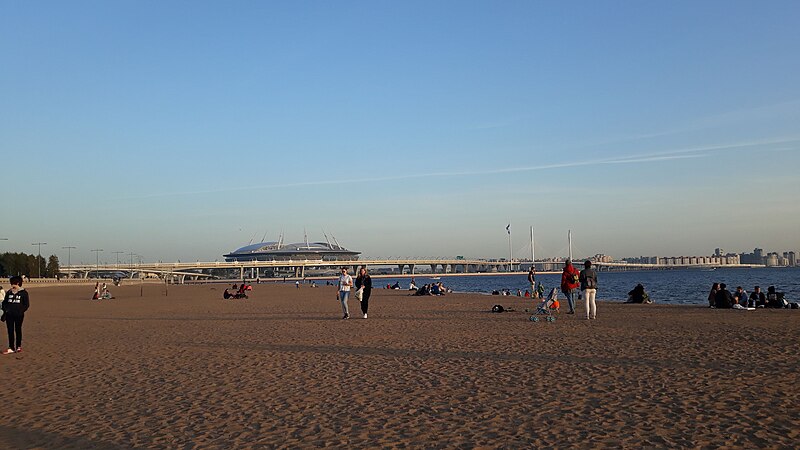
<point>69,260</point>
<point>118,253</point>
<point>39,259</point>
<point>97,261</point>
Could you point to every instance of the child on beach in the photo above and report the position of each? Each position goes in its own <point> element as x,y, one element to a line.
<point>14,305</point>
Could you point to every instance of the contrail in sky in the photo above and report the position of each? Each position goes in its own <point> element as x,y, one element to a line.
<point>686,153</point>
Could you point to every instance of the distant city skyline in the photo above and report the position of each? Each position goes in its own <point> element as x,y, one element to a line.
<point>111,257</point>
<point>178,131</point>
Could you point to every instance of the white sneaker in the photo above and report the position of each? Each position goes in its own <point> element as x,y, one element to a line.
<point>365,316</point>
<point>8,351</point>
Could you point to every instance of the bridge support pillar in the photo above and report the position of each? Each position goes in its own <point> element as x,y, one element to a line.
<point>433,268</point>
<point>401,267</point>
<point>241,273</point>
<point>412,268</point>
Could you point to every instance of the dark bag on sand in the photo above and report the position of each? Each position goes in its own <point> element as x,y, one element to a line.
<point>498,308</point>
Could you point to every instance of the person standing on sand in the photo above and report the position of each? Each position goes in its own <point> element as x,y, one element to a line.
<point>364,284</point>
<point>345,282</point>
<point>532,279</point>
<point>14,305</point>
<point>569,284</point>
<point>588,280</point>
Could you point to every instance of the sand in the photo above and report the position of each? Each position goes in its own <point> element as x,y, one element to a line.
<point>190,370</point>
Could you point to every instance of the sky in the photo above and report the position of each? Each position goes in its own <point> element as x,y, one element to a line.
<point>184,130</point>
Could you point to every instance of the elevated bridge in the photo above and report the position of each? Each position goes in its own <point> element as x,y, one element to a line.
<point>180,271</point>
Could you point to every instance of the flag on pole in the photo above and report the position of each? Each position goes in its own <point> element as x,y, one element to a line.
<point>508,229</point>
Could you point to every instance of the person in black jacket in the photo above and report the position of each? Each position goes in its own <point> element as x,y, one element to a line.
<point>757,298</point>
<point>364,284</point>
<point>14,306</point>
<point>724,298</point>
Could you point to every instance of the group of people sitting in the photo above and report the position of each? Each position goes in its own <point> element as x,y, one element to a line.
<point>238,291</point>
<point>721,297</point>
<point>638,295</point>
<point>101,294</point>
<point>432,289</point>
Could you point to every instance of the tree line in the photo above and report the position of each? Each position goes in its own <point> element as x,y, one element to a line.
<point>28,265</point>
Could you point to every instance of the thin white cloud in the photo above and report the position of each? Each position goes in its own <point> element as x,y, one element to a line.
<point>644,158</point>
<point>731,117</point>
<point>652,159</point>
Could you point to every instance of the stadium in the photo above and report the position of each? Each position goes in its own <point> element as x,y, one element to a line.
<point>300,251</point>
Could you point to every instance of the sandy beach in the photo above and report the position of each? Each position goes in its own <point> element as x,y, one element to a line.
<point>282,370</point>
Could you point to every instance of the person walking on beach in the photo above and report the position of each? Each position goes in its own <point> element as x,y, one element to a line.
<point>569,284</point>
<point>345,282</point>
<point>532,280</point>
<point>364,284</point>
<point>14,305</point>
<point>588,280</point>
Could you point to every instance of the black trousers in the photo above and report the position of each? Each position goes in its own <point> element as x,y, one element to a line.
<point>365,300</point>
<point>14,325</point>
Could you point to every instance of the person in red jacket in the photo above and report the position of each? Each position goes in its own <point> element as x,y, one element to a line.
<point>569,284</point>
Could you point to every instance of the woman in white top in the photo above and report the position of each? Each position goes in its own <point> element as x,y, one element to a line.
<point>345,282</point>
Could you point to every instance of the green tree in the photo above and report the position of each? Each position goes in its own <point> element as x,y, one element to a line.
<point>18,264</point>
<point>53,267</point>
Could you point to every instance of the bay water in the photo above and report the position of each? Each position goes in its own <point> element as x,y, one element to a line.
<point>682,286</point>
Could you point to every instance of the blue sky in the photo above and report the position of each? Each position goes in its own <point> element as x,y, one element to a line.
<point>182,130</point>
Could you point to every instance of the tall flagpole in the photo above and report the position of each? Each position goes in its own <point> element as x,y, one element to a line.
<point>533,258</point>
<point>510,252</point>
<point>569,240</point>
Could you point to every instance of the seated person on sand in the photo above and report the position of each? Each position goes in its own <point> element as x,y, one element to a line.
<point>757,298</point>
<point>396,285</point>
<point>740,296</point>
<point>424,290</point>
<point>774,299</point>
<point>438,289</point>
<point>107,295</point>
<point>638,295</point>
<point>724,299</point>
<point>412,286</point>
<point>226,295</point>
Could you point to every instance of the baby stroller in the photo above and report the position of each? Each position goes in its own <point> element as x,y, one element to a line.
<point>547,307</point>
